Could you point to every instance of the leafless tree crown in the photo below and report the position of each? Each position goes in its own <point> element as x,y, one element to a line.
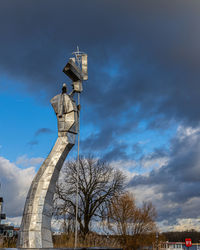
<point>98,183</point>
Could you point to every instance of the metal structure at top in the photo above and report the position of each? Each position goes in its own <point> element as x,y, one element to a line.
<point>76,68</point>
<point>35,230</point>
<point>78,55</point>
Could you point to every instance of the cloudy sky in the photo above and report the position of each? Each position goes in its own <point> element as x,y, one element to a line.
<point>140,105</point>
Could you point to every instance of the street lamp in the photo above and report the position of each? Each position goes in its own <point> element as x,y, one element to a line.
<point>157,235</point>
<point>2,216</point>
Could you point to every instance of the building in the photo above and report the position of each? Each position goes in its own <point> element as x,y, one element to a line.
<point>5,230</point>
<point>178,245</point>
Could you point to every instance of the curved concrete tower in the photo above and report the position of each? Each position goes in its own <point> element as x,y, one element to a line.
<point>35,230</point>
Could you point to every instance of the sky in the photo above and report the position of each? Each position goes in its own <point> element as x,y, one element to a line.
<point>140,106</point>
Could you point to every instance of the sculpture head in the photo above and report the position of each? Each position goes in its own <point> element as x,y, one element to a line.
<point>64,88</point>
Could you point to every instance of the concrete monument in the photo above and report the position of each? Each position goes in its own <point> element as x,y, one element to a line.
<point>35,230</point>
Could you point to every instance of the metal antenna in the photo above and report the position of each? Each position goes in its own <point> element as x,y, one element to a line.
<point>81,61</point>
<point>78,57</point>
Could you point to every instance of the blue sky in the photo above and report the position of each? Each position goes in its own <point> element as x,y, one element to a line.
<point>140,105</point>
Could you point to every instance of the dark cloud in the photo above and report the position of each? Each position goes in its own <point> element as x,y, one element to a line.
<point>43,131</point>
<point>99,140</point>
<point>38,133</point>
<point>152,47</point>
<point>106,142</point>
<point>156,154</point>
<point>160,123</point>
<point>32,143</point>
<point>118,152</point>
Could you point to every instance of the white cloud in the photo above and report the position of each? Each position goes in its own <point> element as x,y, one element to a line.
<point>56,224</point>
<point>24,161</point>
<point>187,224</point>
<point>183,132</point>
<point>148,163</point>
<point>180,225</point>
<point>143,194</point>
<point>16,221</point>
<point>126,167</point>
<point>15,184</point>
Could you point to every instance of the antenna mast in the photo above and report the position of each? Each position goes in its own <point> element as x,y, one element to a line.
<point>81,60</point>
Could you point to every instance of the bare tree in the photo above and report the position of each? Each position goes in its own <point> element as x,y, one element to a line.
<point>98,183</point>
<point>135,226</point>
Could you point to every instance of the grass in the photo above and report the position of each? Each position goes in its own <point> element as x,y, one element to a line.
<point>91,240</point>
